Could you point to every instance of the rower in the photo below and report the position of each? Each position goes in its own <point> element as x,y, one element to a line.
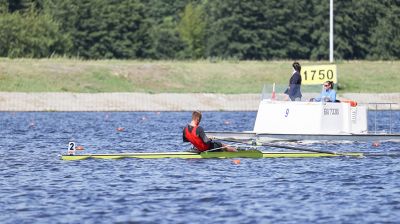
<point>194,134</point>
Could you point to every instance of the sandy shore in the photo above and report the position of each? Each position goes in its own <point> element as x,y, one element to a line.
<point>16,101</point>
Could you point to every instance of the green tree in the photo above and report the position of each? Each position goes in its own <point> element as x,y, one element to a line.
<point>3,6</point>
<point>158,10</point>
<point>103,29</point>
<point>18,5</point>
<point>161,18</point>
<point>353,20</point>
<point>23,6</point>
<point>174,29</point>
<point>299,27</point>
<point>385,37</point>
<point>192,29</point>
<point>247,30</point>
<point>30,35</point>
<point>165,41</point>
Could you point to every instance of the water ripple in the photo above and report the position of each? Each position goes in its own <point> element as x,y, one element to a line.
<point>41,188</point>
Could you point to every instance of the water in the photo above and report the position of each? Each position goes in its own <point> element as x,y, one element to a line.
<point>37,187</point>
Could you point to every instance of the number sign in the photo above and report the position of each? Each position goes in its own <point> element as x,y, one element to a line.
<point>71,148</point>
<point>318,74</point>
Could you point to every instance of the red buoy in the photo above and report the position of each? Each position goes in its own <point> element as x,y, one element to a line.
<point>236,161</point>
<point>376,144</point>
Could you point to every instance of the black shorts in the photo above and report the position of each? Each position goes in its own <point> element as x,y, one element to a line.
<point>216,145</point>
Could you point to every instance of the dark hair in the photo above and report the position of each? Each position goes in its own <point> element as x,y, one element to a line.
<point>296,66</point>
<point>330,83</point>
<point>196,115</point>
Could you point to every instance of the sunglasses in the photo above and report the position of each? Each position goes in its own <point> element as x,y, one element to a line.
<point>326,85</point>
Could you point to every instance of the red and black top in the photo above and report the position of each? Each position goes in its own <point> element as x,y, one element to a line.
<point>197,137</point>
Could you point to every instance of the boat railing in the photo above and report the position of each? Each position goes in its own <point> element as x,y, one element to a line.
<point>381,108</point>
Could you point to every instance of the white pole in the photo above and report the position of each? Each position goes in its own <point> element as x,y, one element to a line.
<point>331,32</point>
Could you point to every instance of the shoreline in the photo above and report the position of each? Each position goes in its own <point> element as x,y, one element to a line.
<point>118,101</point>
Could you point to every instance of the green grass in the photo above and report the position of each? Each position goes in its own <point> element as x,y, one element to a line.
<point>72,75</point>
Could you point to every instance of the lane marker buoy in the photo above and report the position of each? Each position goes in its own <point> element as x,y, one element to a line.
<point>236,161</point>
<point>376,144</point>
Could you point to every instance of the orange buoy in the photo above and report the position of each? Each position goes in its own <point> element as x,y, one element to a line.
<point>79,147</point>
<point>236,161</point>
<point>120,129</point>
<point>376,144</point>
<point>351,102</point>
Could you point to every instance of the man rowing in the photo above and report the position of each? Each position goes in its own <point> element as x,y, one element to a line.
<point>194,134</point>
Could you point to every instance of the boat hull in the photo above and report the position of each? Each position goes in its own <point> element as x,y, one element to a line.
<point>208,155</point>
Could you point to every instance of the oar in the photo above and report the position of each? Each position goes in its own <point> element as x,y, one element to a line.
<point>301,149</point>
<point>392,154</point>
<point>221,148</point>
<point>214,149</point>
<point>285,147</point>
<point>389,154</point>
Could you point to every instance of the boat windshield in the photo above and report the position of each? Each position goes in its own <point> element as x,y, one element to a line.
<point>280,92</point>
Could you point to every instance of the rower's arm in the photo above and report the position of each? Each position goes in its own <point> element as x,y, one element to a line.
<point>333,95</point>
<point>184,139</point>
<point>200,132</point>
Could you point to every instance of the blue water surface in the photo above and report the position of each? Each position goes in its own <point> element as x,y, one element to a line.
<point>37,187</point>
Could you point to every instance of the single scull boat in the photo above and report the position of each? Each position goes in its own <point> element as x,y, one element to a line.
<point>206,155</point>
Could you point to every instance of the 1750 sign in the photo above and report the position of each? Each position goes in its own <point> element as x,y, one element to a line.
<point>318,74</point>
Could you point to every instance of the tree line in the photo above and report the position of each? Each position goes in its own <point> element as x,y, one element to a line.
<point>194,29</point>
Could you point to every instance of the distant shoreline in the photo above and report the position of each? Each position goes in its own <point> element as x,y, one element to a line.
<point>62,101</point>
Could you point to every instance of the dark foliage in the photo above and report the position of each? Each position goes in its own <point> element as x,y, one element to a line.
<point>177,29</point>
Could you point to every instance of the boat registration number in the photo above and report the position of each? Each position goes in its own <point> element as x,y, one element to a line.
<point>331,111</point>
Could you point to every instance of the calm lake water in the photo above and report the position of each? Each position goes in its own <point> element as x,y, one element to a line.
<point>37,187</point>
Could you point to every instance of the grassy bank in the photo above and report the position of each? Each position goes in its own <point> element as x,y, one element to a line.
<point>71,75</point>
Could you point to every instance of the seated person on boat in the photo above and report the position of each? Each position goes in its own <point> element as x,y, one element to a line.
<point>328,94</point>
<point>195,134</point>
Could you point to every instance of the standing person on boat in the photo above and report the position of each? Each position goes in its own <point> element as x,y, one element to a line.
<point>293,90</point>
<point>195,134</point>
<point>328,94</point>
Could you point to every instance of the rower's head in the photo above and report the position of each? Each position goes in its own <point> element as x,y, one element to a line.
<point>296,66</point>
<point>196,117</point>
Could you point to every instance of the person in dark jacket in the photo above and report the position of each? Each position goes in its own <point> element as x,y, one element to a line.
<point>294,90</point>
<point>195,134</point>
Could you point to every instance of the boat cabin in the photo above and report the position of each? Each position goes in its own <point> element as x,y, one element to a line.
<point>297,117</point>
